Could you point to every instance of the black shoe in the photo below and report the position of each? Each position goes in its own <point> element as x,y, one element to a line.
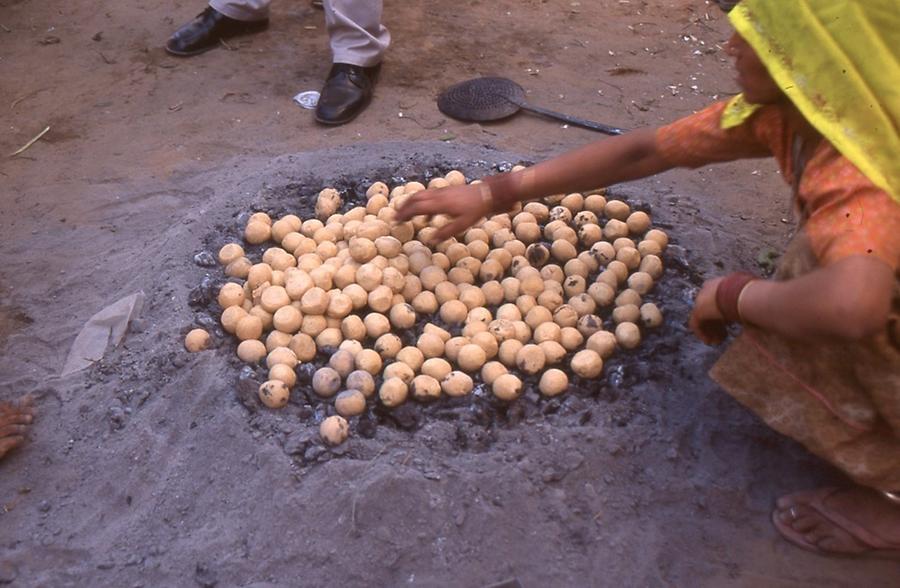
<point>347,92</point>
<point>204,32</point>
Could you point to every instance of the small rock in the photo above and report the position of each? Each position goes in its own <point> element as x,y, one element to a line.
<point>8,572</point>
<point>313,452</point>
<point>205,259</point>
<point>204,576</point>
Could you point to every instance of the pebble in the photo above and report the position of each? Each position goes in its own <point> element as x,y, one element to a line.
<point>8,572</point>
<point>44,506</point>
<point>205,259</point>
<point>204,576</point>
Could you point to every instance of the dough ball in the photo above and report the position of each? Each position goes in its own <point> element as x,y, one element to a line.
<point>616,209</point>
<point>377,188</point>
<point>457,384</point>
<point>553,352</point>
<point>640,282</point>
<point>361,380</point>
<point>281,355</point>
<point>613,229</point>
<point>249,327</point>
<point>330,337</point>
<point>425,388</point>
<point>436,330</point>
<point>630,257</point>
<point>339,305</point>
<point>570,338</point>
<point>362,250</point>
<point>400,370</point>
<point>628,296</point>
<point>452,347</point>
<point>628,335</point>
<point>473,298</point>
<point>231,294</point>
<point>446,291</point>
<point>239,268</point>
<point>507,387</point>
<point>652,265</point>
<point>626,313</point>
<point>648,247</point>
<point>619,269</point>
<point>350,403</point>
<point>565,316</point>
<point>369,360</point>
<point>553,382</point>
<point>491,371</point>
<point>274,297</point>
<point>351,345</point>
<point>230,252</point>
<point>589,324</point>
<point>595,203</point>
<point>343,362</point>
<point>284,373</point>
<point>353,327</point>
<point>326,382</point>
<point>381,299</point>
<point>430,345</point>
<point>314,301</point>
<point>471,357</point>
<point>486,341</point>
<point>376,325</point>
<point>602,293</point>
<point>313,325</point>
<point>574,202</point>
<point>638,222</point>
<point>508,351</point>
<point>274,393</point>
<point>287,319</point>
<point>574,285</point>
<point>659,236</point>
<point>261,217</point>
<point>425,303</point>
<point>196,340</point>
<point>437,368</point>
<point>393,392</point>
<point>563,251</point>
<point>334,430</point>
<point>455,178</point>
<point>303,347</point>
<point>327,203</point>
<point>548,331</point>
<point>251,351</point>
<point>587,364</point>
<point>256,232</point>
<point>530,359</point>
<point>453,312</point>
<point>388,345</point>
<point>412,357</point>
<point>651,317</point>
<point>369,276</point>
<point>583,304</point>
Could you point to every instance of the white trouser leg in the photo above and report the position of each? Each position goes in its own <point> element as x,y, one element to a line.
<point>355,31</point>
<point>247,10</point>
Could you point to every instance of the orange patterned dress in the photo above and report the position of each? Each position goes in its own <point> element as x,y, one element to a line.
<point>840,399</point>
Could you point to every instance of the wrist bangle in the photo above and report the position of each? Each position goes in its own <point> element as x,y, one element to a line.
<point>728,294</point>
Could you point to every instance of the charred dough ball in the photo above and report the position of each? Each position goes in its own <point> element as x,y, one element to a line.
<point>651,317</point>
<point>530,359</point>
<point>274,393</point>
<point>334,430</point>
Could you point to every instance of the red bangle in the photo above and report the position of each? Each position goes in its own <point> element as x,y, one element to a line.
<point>729,291</point>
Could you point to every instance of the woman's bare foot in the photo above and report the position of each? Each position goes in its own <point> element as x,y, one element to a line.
<point>850,521</point>
<point>15,418</point>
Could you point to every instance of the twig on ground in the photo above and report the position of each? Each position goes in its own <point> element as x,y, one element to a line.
<point>30,143</point>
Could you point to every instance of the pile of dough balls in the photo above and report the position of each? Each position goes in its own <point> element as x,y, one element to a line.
<point>519,294</point>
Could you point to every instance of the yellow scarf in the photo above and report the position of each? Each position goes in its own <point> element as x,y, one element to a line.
<point>838,61</point>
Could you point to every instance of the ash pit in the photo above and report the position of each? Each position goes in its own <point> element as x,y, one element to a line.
<point>608,398</point>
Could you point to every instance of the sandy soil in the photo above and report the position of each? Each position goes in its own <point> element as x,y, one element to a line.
<point>148,470</point>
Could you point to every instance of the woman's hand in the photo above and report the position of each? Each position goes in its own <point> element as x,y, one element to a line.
<point>463,204</point>
<point>706,321</point>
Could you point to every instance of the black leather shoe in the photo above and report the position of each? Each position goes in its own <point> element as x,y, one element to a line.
<point>347,92</point>
<point>204,32</point>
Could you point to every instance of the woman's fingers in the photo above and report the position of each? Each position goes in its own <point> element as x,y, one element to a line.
<point>459,224</point>
<point>419,203</point>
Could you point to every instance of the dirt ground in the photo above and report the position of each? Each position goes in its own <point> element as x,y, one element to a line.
<point>147,469</point>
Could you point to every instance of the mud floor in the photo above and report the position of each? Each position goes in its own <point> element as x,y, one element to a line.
<point>149,470</point>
